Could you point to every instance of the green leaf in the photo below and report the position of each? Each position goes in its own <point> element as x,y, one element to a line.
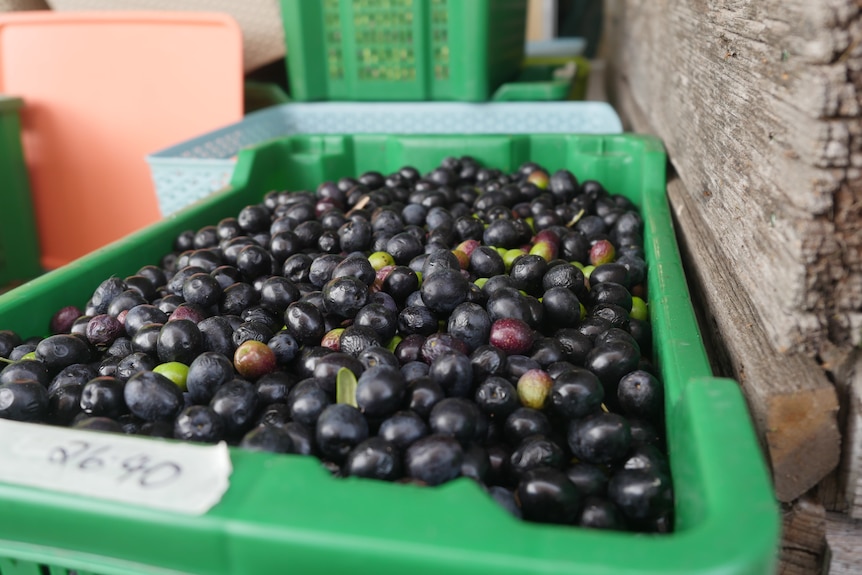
<point>345,387</point>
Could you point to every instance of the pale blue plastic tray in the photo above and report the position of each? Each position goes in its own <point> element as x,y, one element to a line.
<point>192,170</point>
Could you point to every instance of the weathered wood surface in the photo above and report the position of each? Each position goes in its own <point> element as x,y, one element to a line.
<point>758,104</point>
<point>15,5</point>
<point>844,544</point>
<point>803,547</point>
<point>842,491</point>
<point>792,402</point>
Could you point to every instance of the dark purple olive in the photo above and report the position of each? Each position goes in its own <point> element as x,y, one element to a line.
<point>434,459</point>
<point>600,513</point>
<point>400,282</point>
<point>306,401</point>
<point>356,339</point>
<point>547,496</point>
<point>438,344</point>
<point>356,266</point>
<point>152,396</point>
<point>269,439</point>
<point>305,322</point>
<point>344,296</point>
<point>380,391</point>
<point>285,347</point>
<point>641,395</point>
<point>321,269</point>
<point>561,307</point>
<point>600,438</point>
<point>476,464</point>
<point>236,403</point>
<point>103,396</point>
<point>273,387</point>
<point>610,363</point>
<point>497,396</point>
<point>340,428</point>
<point>534,452</point>
<point>326,370</point>
<point>611,272</point>
<point>378,317</point>
<point>454,373</point>
<point>62,350</point>
<point>403,428</point>
<point>75,374</point>
<point>23,400</point>
<point>141,315</point>
<point>207,373</point>
<point>524,422</point>
<point>199,423</point>
<point>61,322</point>
<point>455,417</point>
<point>642,496</point>
<point>217,335</point>
<point>64,404</point>
<point>179,340</point>
<point>422,395</point>
<point>28,370</point>
<point>417,319</point>
<point>444,291</point>
<point>470,323</point>
<point>576,393</point>
<point>410,348</point>
<point>374,458</point>
<point>527,273</point>
<point>590,479</point>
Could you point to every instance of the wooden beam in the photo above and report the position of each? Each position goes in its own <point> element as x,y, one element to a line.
<point>803,545</point>
<point>793,403</point>
<point>844,554</point>
<point>758,103</point>
<point>843,489</point>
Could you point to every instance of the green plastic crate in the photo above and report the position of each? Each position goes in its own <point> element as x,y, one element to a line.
<point>563,80</point>
<point>402,49</point>
<point>287,514</point>
<point>260,95</point>
<point>19,244</point>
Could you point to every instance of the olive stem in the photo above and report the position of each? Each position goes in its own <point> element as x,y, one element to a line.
<point>360,204</point>
<point>576,219</point>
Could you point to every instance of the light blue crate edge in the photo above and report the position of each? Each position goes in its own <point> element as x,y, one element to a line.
<point>192,170</point>
<point>556,47</point>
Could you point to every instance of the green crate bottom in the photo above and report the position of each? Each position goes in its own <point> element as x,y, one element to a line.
<point>10,566</point>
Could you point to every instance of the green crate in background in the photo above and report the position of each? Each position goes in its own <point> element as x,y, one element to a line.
<point>19,244</point>
<point>565,79</point>
<point>286,513</point>
<point>260,95</point>
<point>402,49</point>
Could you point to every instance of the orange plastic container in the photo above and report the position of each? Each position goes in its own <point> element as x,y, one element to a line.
<point>101,91</point>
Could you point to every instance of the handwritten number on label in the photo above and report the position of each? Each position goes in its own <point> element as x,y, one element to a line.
<point>140,468</point>
<point>62,455</point>
<point>92,462</point>
<point>149,475</point>
<point>170,476</point>
<point>160,474</point>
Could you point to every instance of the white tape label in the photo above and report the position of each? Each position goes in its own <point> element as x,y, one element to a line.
<point>180,477</point>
